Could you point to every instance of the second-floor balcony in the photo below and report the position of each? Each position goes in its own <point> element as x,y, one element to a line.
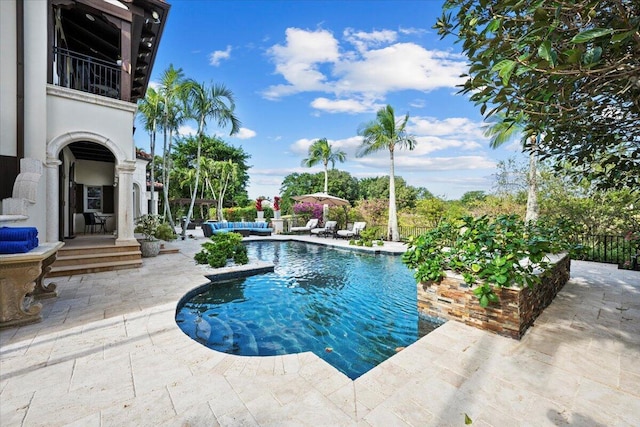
<point>85,73</point>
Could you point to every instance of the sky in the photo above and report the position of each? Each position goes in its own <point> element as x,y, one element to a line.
<point>303,70</point>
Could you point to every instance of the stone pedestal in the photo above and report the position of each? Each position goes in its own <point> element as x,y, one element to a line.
<point>42,291</point>
<point>18,275</point>
<point>277,226</point>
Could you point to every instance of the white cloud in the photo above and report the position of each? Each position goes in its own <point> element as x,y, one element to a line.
<point>301,146</point>
<point>363,40</point>
<point>281,172</point>
<point>359,77</point>
<point>413,31</point>
<point>351,106</point>
<point>187,130</point>
<point>217,56</point>
<point>245,133</point>
<point>348,145</point>
<point>408,163</point>
<point>298,60</point>
<point>452,126</point>
<point>401,66</point>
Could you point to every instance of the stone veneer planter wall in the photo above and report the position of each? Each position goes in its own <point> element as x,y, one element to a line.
<point>453,299</point>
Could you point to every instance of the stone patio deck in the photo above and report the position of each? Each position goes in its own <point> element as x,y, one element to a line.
<point>108,352</point>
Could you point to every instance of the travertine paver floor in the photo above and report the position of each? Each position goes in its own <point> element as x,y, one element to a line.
<point>108,352</point>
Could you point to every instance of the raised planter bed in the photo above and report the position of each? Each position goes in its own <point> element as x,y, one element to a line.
<point>453,299</point>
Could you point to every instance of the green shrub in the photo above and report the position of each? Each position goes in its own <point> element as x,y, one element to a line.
<point>222,247</point>
<point>487,252</point>
<point>165,232</point>
<point>240,254</point>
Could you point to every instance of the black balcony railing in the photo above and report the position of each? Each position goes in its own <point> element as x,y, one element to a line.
<point>85,73</point>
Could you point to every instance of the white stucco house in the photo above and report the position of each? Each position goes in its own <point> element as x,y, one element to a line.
<point>70,75</point>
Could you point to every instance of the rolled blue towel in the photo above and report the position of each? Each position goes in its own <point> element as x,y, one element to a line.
<point>20,234</point>
<point>16,247</point>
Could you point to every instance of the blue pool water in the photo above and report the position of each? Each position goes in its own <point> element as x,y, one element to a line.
<point>352,309</point>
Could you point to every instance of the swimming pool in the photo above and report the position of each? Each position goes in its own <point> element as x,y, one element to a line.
<point>352,309</point>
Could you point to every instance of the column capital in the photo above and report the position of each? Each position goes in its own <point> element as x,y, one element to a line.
<point>126,167</point>
<point>52,162</point>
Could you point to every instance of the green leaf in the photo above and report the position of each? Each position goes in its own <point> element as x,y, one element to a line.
<point>592,55</point>
<point>484,301</point>
<point>475,268</point>
<point>493,25</point>
<point>544,51</point>
<point>501,279</point>
<point>467,419</point>
<point>617,38</point>
<point>589,35</point>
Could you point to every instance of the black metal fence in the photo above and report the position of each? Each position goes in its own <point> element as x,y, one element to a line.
<point>607,249</point>
<point>85,73</point>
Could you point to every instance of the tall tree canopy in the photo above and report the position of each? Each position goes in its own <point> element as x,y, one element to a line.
<point>213,149</point>
<point>406,195</point>
<point>572,66</point>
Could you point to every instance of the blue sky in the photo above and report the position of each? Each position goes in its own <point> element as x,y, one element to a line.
<point>303,70</point>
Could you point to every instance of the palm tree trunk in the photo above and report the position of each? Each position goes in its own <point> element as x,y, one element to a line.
<point>532,195</point>
<point>195,187</point>
<point>392,227</point>
<point>152,176</point>
<point>165,179</point>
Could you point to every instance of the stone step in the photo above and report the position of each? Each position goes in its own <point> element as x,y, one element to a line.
<point>96,249</point>
<point>166,251</point>
<point>93,268</point>
<point>95,258</point>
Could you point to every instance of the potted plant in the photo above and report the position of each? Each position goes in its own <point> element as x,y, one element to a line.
<point>259,208</point>
<point>276,207</point>
<point>148,226</point>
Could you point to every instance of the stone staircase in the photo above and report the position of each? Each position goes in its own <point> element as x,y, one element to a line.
<point>96,258</point>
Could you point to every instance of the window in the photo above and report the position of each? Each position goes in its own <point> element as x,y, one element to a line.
<point>93,197</point>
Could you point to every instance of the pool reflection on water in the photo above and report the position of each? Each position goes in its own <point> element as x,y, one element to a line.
<point>352,309</point>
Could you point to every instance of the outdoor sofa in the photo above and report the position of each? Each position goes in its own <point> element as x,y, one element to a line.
<point>244,228</point>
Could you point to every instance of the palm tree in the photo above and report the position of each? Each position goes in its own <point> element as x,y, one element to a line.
<point>322,152</point>
<point>204,102</point>
<point>505,129</point>
<point>218,176</point>
<point>385,133</point>
<point>151,109</point>
<point>170,90</point>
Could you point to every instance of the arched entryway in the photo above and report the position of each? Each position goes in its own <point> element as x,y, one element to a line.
<point>98,175</point>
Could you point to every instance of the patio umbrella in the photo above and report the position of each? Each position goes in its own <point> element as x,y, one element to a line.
<point>324,199</point>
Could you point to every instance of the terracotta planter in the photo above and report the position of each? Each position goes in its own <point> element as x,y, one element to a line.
<point>149,248</point>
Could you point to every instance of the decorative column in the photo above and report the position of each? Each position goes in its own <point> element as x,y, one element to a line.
<point>53,201</point>
<point>125,203</point>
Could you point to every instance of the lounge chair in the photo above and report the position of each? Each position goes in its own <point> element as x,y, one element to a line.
<point>354,232</point>
<point>312,223</point>
<point>328,229</point>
